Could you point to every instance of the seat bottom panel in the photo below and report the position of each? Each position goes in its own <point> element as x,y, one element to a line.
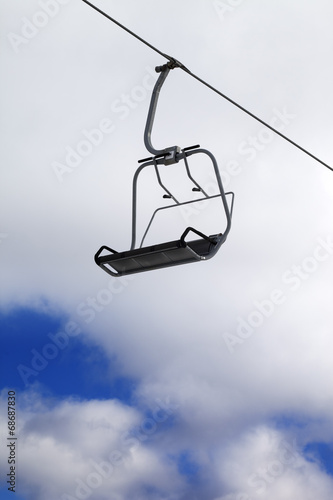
<point>155,257</point>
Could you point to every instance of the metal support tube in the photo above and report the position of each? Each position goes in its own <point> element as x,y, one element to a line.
<point>134,200</point>
<point>152,111</point>
<point>171,152</point>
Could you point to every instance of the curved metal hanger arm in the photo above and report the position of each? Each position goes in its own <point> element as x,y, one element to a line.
<point>171,152</point>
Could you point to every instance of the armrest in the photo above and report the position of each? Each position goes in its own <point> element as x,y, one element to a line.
<point>191,229</point>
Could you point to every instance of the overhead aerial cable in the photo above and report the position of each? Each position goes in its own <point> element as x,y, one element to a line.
<point>178,64</point>
<point>183,250</point>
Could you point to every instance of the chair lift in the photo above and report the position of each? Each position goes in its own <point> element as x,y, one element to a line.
<point>175,252</point>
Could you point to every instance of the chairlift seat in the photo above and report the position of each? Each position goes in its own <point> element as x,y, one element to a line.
<point>159,256</point>
<point>172,253</point>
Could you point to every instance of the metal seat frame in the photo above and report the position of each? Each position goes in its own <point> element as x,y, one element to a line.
<point>175,252</point>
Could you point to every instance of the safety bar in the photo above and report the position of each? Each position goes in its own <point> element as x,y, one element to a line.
<point>154,162</point>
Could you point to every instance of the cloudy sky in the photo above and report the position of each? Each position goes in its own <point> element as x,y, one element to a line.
<point>209,381</point>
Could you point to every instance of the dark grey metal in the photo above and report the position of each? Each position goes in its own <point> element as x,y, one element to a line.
<point>160,256</point>
<point>169,194</point>
<point>191,177</point>
<point>181,156</point>
<point>175,252</point>
<point>171,152</point>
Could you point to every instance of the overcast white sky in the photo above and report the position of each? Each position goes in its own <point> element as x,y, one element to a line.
<point>239,349</point>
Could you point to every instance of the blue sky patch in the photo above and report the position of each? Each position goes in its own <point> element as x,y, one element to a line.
<point>9,495</point>
<point>36,349</point>
<point>321,452</point>
<point>290,422</point>
<point>187,466</point>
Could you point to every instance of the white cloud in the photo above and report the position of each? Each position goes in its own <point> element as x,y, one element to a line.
<point>83,449</point>
<point>265,463</point>
<point>89,445</point>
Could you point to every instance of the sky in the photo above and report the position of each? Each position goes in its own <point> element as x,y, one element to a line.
<point>208,381</point>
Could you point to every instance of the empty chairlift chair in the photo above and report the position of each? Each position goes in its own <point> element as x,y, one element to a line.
<point>182,250</point>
